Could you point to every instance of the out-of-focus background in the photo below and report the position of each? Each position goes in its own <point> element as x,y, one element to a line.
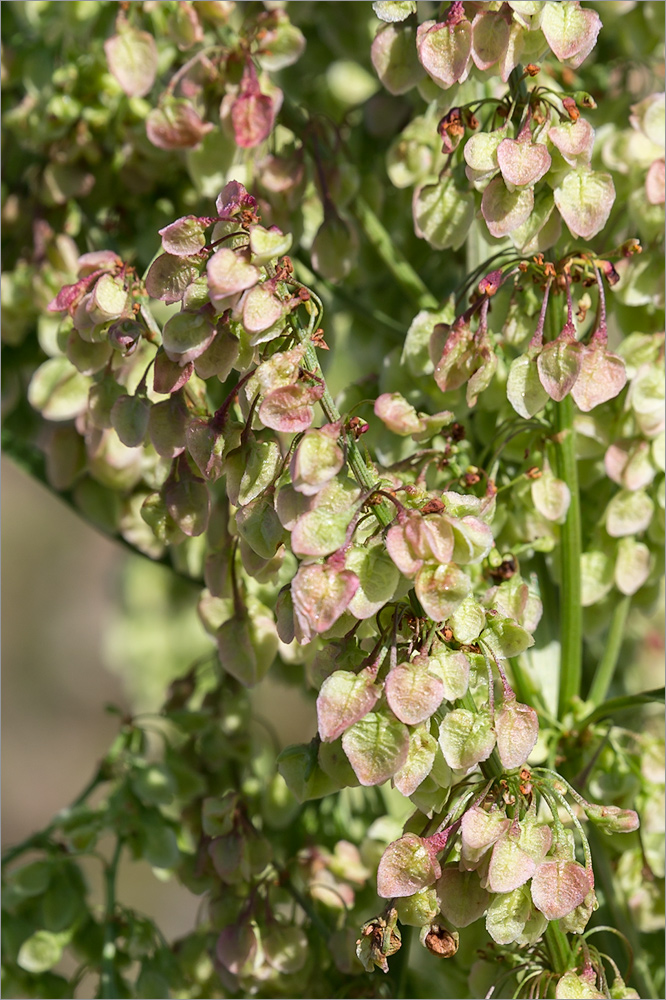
<point>83,627</point>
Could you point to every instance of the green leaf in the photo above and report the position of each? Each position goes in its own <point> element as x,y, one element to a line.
<point>58,390</point>
<point>41,951</point>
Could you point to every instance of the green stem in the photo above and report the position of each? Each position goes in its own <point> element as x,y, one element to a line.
<point>641,977</point>
<point>108,987</point>
<point>558,948</point>
<point>398,265</point>
<point>365,476</point>
<point>340,293</point>
<point>571,618</point>
<point>316,921</point>
<point>400,963</point>
<point>621,704</point>
<point>606,666</point>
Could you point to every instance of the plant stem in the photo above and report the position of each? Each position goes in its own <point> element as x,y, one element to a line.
<point>571,617</point>
<point>364,475</point>
<point>606,666</point>
<point>400,963</point>
<point>108,987</point>
<point>398,265</point>
<point>642,979</point>
<point>558,947</point>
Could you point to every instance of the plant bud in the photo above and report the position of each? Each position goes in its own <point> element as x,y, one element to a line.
<point>612,819</point>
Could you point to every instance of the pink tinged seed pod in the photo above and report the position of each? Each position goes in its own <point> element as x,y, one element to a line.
<point>377,747</point>
<point>321,594</point>
<point>170,276</point>
<point>575,141</point>
<point>571,31</point>
<point>612,819</point>
<point>629,464</point>
<point>559,364</point>
<point>461,897</point>
<point>558,887</point>
<point>176,125</point>
<point>510,866</point>
<point>570,986</point>
<point>654,183</point>
<point>413,693</point>
<point>584,199</point>
<point>505,210</point>
<point>457,361</point>
<point>252,113</point>
<point>345,698</point>
<point>397,414</point>
<point>420,759</point>
<point>466,738</point>
<point>170,376</point>
<point>602,375</point>
<point>132,58</point>
<point>229,272</point>
<point>407,865</point>
<point>522,162</point>
<point>394,58</point>
<point>444,49</point>
<point>517,728</point>
<point>416,539</point>
<point>234,199</point>
<point>480,830</point>
<point>237,947</point>
<point>441,589</point>
<point>185,236</point>
<point>490,38</point>
<point>289,407</point>
<point>317,459</point>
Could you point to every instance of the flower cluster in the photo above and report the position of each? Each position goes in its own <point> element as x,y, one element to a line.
<point>423,553</point>
<point>531,172</point>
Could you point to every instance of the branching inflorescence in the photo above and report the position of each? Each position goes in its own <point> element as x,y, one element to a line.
<point>403,571</point>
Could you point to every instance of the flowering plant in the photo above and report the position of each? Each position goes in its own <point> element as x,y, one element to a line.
<point>439,539</point>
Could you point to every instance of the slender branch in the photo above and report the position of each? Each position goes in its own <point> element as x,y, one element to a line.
<point>571,617</point>
<point>398,265</point>
<point>606,666</point>
<point>400,963</point>
<point>641,976</point>
<point>363,474</point>
<point>108,987</point>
